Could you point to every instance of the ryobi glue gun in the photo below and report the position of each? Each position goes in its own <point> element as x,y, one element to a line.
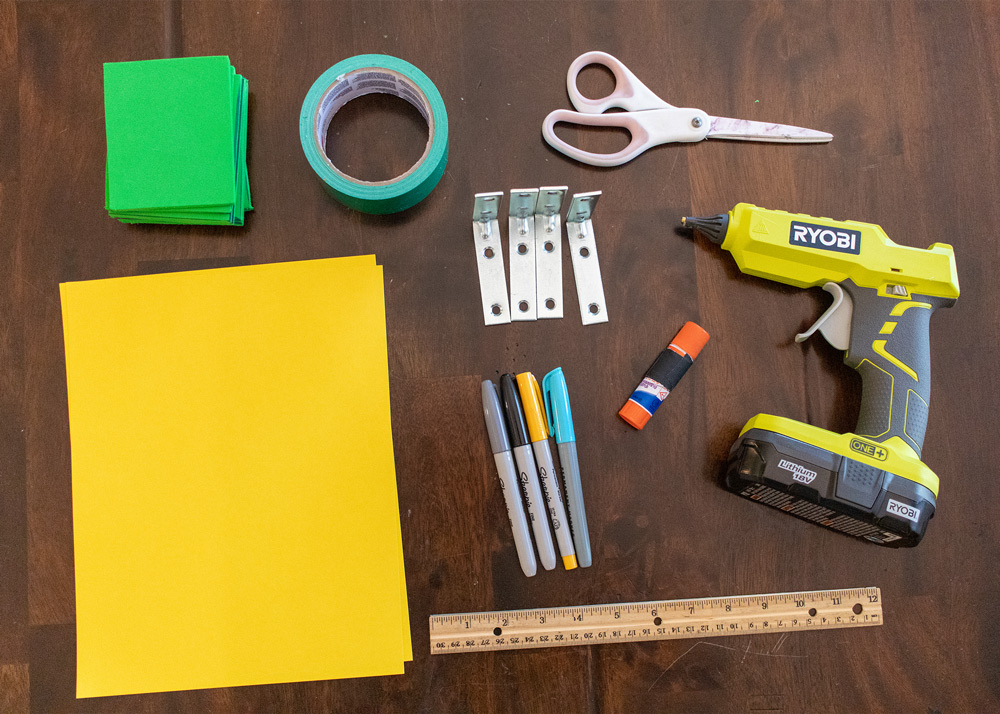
<point>870,484</point>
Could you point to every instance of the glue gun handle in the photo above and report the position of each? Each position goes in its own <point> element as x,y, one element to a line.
<point>890,348</point>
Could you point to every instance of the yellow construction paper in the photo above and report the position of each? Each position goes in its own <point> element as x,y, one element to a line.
<point>234,499</point>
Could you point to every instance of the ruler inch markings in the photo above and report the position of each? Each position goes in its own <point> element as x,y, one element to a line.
<point>655,620</point>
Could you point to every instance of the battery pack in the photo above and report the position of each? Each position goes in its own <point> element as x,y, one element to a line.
<point>829,489</point>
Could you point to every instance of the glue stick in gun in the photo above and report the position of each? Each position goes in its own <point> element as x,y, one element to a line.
<point>870,484</point>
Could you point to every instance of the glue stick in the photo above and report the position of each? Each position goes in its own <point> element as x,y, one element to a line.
<point>663,375</point>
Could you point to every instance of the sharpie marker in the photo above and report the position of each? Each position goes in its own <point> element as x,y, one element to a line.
<point>518,431</point>
<point>538,427</point>
<point>556,397</point>
<point>508,477</point>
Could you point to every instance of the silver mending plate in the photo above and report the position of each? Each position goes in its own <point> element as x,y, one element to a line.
<point>548,251</point>
<point>521,239</point>
<point>489,258</point>
<point>583,251</point>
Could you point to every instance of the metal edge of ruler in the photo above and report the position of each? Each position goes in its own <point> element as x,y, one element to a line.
<point>521,238</point>
<point>583,252</point>
<point>655,620</point>
<point>548,251</point>
<point>489,258</point>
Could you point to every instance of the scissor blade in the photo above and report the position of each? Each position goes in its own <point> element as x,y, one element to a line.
<point>747,130</point>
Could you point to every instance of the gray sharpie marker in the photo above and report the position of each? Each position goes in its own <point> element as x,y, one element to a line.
<point>509,483</point>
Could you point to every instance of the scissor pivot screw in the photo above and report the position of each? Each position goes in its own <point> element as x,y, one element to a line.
<point>696,122</point>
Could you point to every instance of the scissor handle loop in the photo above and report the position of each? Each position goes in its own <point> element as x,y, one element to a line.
<point>629,94</point>
<point>639,143</point>
<point>647,129</point>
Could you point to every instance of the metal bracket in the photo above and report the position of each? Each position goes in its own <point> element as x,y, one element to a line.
<point>489,258</point>
<point>583,250</point>
<point>521,237</point>
<point>548,251</point>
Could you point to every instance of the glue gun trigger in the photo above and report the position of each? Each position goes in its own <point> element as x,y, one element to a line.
<point>835,323</point>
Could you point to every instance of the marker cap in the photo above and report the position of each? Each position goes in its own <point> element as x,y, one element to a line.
<point>534,412</point>
<point>516,427</point>
<point>557,406</point>
<point>499,441</point>
<point>691,339</point>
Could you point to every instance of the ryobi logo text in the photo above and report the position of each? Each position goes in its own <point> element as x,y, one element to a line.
<point>901,509</point>
<point>840,240</point>
<point>799,473</point>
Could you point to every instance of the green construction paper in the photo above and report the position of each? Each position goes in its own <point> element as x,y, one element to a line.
<point>176,132</point>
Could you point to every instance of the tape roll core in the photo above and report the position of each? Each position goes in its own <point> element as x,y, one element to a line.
<point>368,74</point>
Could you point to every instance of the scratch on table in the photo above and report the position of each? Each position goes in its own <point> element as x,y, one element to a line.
<point>49,296</point>
<point>623,569</point>
<point>722,647</point>
<point>781,641</point>
<point>677,155</point>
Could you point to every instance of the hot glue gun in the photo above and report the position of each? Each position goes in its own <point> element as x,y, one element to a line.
<point>871,483</point>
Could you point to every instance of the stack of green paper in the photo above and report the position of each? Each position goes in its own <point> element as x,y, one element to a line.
<point>177,136</point>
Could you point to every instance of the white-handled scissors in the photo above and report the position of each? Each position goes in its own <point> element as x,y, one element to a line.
<point>650,120</point>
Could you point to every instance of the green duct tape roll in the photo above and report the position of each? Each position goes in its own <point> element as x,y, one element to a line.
<point>367,74</point>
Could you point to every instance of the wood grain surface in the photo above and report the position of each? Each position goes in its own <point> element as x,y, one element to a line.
<point>911,92</point>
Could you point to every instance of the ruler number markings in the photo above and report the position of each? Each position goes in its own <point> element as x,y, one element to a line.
<point>655,620</point>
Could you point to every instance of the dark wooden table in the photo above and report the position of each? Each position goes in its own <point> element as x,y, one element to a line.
<point>909,89</point>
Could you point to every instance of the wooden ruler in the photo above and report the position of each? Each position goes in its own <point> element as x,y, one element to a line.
<point>655,620</point>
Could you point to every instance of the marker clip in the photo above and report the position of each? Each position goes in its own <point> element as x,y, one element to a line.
<point>489,258</point>
<point>583,250</point>
<point>547,402</point>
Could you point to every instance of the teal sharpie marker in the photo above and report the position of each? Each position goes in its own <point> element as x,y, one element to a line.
<point>560,419</point>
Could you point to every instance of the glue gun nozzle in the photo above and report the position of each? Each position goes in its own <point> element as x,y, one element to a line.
<point>713,227</point>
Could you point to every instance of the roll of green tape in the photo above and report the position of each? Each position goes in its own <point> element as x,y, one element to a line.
<point>367,74</point>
